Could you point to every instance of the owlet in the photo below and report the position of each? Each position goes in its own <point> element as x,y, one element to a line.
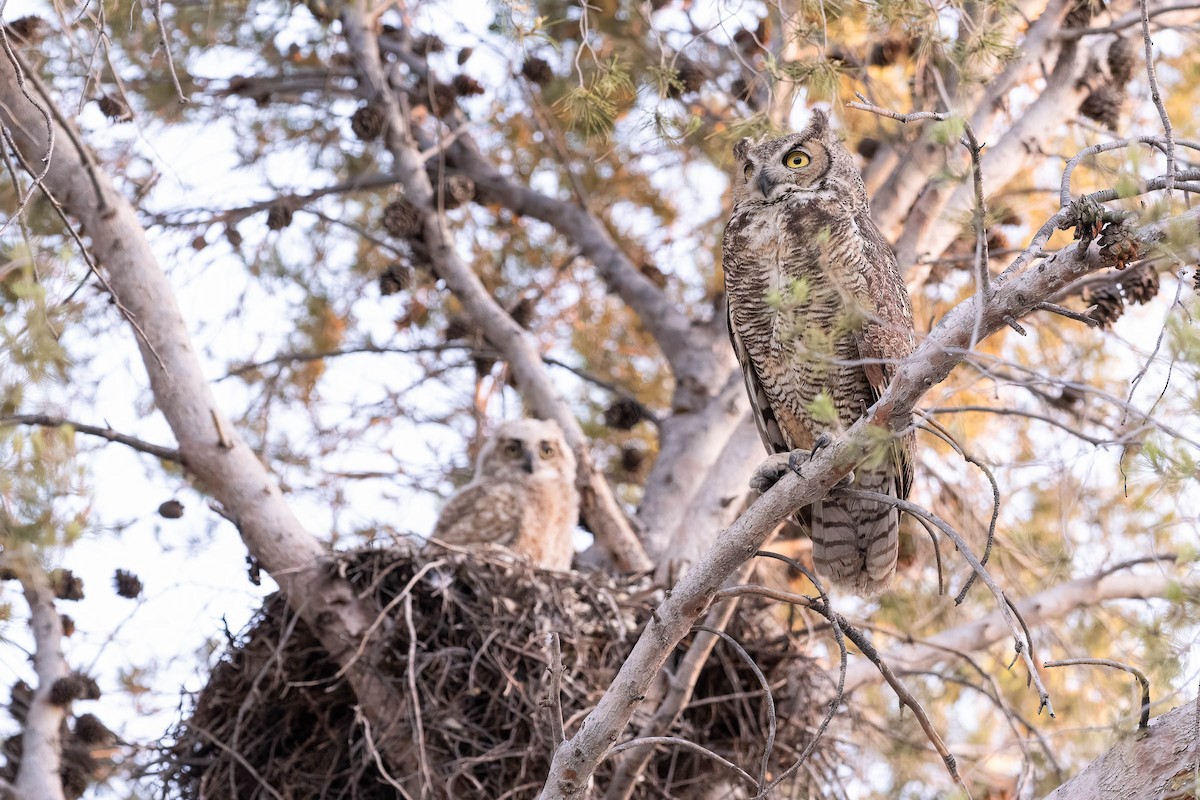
<point>819,316</point>
<point>522,495</point>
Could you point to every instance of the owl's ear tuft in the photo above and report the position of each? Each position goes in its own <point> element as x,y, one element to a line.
<point>818,122</point>
<point>741,149</point>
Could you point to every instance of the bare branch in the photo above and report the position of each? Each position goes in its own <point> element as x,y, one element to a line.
<point>1157,98</point>
<point>46,420</point>
<point>1144,720</point>
<point>1054,603</point>
<point>685,744</point>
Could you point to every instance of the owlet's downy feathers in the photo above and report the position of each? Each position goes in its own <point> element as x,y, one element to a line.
<point>819,316</point>
<point>522,495</point>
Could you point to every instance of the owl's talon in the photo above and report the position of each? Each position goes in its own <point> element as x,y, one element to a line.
<point>797,459</point>
<point>822,441</point>
<point>770,471</point>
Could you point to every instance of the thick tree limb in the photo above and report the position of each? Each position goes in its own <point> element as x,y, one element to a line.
<point>215,454</point>
<point>1013,296</point>
<point>38,777</point>
<point>1158,764</point>
<point>599,507</point>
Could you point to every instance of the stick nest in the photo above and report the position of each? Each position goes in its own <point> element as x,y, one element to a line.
<point>274,721</point>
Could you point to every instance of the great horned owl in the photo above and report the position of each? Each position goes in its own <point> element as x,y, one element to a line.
<point>819,316</point>
<point>522,495</point>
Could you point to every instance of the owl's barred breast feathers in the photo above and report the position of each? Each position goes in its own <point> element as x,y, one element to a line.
<point>818,316</point>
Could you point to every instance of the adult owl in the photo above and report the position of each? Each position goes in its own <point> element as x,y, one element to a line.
<point>522,495</point>
<point>819,317</point>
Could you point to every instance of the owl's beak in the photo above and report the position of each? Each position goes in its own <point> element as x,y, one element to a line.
<point>527,462</point>
<point>765,184</point>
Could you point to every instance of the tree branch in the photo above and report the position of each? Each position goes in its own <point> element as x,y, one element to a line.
<point>598,505</point>
<point>1159,763</point>
<point>215,454</point>
<point>38,775</point>
<point>49,421</point>
<point>1013,296</point>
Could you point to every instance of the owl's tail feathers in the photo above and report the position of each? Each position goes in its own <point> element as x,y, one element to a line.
<point>855,541</point>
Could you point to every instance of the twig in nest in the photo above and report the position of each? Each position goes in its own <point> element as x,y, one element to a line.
<point>1023,643</point>
<point>684,743</point>
<point>553,700</point>
<point>768,699</point>
<point>411,670</point>
<point>362,718</point>
<point>1144,720</point>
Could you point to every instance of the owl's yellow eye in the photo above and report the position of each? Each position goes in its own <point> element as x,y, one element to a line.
<point>512,448</point>
<point>796,159</point>
<point>547,449</point>
<point>748,170</point>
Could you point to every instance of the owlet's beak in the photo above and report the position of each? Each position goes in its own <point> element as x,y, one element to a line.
<point>527,462</point>
<point>765,184</point>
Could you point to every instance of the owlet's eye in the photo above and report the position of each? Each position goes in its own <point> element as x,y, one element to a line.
<point>748,170</point>
<point>796,159</point>
<point>547,450</point>
<point>512,448</point>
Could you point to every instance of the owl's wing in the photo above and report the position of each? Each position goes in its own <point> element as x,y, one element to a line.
<point>760,404</point>
<point>460,521</point>
<point>887,336</point>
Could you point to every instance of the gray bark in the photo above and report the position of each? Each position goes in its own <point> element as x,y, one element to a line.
<point>1159,763</point>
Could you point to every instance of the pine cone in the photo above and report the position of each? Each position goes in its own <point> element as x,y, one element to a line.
<point>466,86</point>
<point>1080,14</point>
<point>464,54</point>
<point>66,585</point>
<point>522,312</point>
<point>457,327</point>
<point>633,457</point>
<point>28,30</point>
<point>170,509</point>
<point>114,108</point>
<point>867,147</point>
<point>459,189</point>
<point>424,45</point>
<point>1109,305</point>
<point>90,730</point>
<point>1086,216</point>
<point>1141,284</point>
<point>367,123</point>
<point>1118,243</point>
<point>1121,61</point>
<point>68,624</point>
<point>128,585</point>
<point>442,99</point>
<point>66,690</point>
<point>623,414</point>
<point>688,79</point>
<point>537,70</point>
<point>1104,105</point>
<point>279,215</point>
<point>396,278</point>
<point>402,219</point>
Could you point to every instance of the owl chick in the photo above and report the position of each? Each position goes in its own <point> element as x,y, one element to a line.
<point>819,316</point>
<point>522,495</point>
